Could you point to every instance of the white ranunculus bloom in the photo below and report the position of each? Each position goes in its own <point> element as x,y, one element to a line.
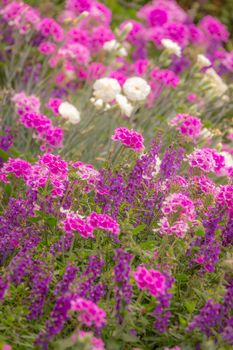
<point>172,47</point>
<point>106,89</point>
<point>69,112</point>
<point>136,89</point>
<point>125,106</point>
<point>203,61</point>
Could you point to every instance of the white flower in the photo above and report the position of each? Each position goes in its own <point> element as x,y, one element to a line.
<point>228,159</point>
<point>136,89</point>
<point>106,89</point>
<point>124,104</point>
<point>69,112</point>
<point>171,46</point>
<point>203,61</point>
<point>216,81</point>
<point>111,45</point>
<point>122,52</point>
<point>206,134</point>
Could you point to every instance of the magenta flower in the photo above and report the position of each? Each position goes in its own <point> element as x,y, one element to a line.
<point>129,138</point>
<point>89,313</point>
<point>187,125</point>
<point>151,280</point>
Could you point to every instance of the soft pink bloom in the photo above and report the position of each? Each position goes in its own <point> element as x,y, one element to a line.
<point>225,197</point>
<point>187,125</point>
<point>179,203</point>
<point>49,27</point>
<point>207,159</point>
<point>18,167</point>
<point>96,343</point>
<point>129,138</point>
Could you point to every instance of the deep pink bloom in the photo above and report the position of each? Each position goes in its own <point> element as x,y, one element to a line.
<point>54,104</point>
<point>103,222</point>
<point>207,159</point>
<point>151,280</point>
<point>214,28</point>
<point>129,138</point>
<point>74,222</point>
<point>89,313</point>
<point>46,48</point>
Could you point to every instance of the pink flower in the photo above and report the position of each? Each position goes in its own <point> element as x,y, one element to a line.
<point>18,167</point>
<point>87,173</point>
<point>129,138</point>
<point>49,27</point>
<point>214,28</point>
<point>206,159</point>
<point>99,36</point>
<point>178,228</point>
<point>47,48</point>
<point>151,280</point>
<point>54,104</point>
<point>75,223</point>
<point>225,197</point>
<point>187,125</point>
<point>96,343</point>
<point>165,76</point>
<point>78,6</point>
<point>179,203</point>
<point>89,313</point>
<point>103,222</point>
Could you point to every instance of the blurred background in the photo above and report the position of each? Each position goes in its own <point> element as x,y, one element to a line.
<point>122,9</point>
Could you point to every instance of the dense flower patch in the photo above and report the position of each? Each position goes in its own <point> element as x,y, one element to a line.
<point>116,171</point>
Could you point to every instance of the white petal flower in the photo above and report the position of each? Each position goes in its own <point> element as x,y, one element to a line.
<point>216,81</point>
<point>172,47</point>
<point>122,52</point>
<point>69,112</point>
<point>136,89</point>
<point>124,104</point>
<point>228,159</point>
<point>203,61</point>
<point>106,89</point>
<point>111,45</point>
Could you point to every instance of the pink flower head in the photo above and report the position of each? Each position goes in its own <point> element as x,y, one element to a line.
<point>49,27</point>
<point>214,28</point>
<point>75,223</point>
<point>119,76</point>
<point>89,313</point>
<point>104,222</point>
<point>203,184</point>
<point>18,167</point>
<point>192,98</point>
<point>24,103</point>
<point>177,32</point>
<point>87,173</point>
<point>78,6</point>
<point>165,76</point>
<point>78,35</point>
<point>178,228</point>
<point>95,70</point>
<point>129,138</point>
<point>96,343</point>
<point>151,280</point>
<point>179,203</point>
<point>99,36</point>
<point>135,33</point>
<point>187,125</point>
<point>47,48</point>
<point>207,159</point>
<point>225,197</point>
<point>56,166</point>
<point>54,104</point>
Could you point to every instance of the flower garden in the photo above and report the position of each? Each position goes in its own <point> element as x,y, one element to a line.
<point>116,168</point>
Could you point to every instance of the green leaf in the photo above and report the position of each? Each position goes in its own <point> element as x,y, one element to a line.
<point>138,229</point>
<point>200,231</point>
<point>4,155</point>
<point>148,245</point>
<point>190,305</point>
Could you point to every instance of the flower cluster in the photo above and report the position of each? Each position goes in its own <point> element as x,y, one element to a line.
<point>89,313</point>
<point>129,138</point>
<point>187,125</point>
<point>151,280</point>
